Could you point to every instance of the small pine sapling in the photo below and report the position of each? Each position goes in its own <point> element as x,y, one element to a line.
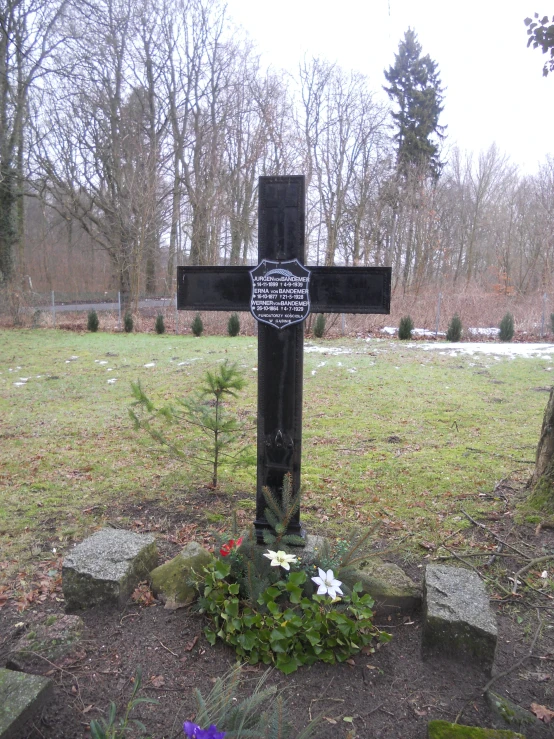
<point>197,327</point>
<point>279,514</point>
<point>220,432</point>
<point>233,325</point>
<point>405,328</point>
<point>454,332</point>
<point>319,326</point>
<point>506,328</point>
<point>92,321</point>
<point>128,323</point>
<point>160,324</point>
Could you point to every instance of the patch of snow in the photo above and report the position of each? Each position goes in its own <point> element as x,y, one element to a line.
<point>105,361</point>
<point>322,364</point>
<point>332,350</point>
<point>150,364</point>
<point>497,350</point>
<point>24,379</point>
<point>110,369</point>
<point>313,373</point>
<point>19,384</point>
<point>484,331</point>
<point>424,332</point>
<point>389,330</point>
<point>352,369</point>
<point>112,380</point>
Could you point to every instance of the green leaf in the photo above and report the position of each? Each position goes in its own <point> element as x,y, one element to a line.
<point>287,663</point>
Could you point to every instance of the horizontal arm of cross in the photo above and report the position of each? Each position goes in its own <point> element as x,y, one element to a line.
<point>332,289</point>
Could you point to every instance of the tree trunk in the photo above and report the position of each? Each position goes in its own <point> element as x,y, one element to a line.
<point>542,481</point>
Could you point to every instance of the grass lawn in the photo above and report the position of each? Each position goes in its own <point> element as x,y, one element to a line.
<point>390,432</point>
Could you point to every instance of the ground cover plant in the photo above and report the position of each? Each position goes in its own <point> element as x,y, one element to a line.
<point>421,444</point>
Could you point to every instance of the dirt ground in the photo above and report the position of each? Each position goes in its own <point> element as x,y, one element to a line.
<point>391,694</point>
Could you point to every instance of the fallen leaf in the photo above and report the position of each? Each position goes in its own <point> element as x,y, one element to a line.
<point>351,662</point>
<point>330,720</point>
<point>190,646</point>
<point>157,681</point>
<point>88,708</point>
<point>542,712</point>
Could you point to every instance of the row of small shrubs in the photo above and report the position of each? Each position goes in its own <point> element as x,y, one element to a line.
<point>454,331</point>
<point>197,327</point>
<point>93,323</point>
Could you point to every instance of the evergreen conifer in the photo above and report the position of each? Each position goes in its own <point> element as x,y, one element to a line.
<point>454,332</point>
<point>319,326</point>
<point>233,325</point>
<point>506,328</point>
<point>405,328</point>
<point>160,325</point>
<point>197,327</point>
<point>415,87</point>
<point>92,321</point>
<point>128,323</point>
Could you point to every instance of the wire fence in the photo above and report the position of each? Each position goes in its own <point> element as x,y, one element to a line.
<point>431,312</point>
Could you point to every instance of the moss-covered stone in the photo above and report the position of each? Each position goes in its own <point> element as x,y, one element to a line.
<point>388,585</point>
<point>21,696</point>
<point>445,730</point>
<point>52,639</point>
<point>174,581</point>
<point>510,713</point>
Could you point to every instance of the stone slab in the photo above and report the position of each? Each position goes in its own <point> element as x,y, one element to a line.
<point>389,586</point>
<point>458,622</point>
<point>21,697</point>
<point>509,712</point>
<point>53,638</point>
<point>445,730</point>
<point>173,581</point>
<point>106,568</point>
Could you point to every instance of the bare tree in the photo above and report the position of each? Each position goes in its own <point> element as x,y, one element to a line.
<point>343,128</point>
<point>29,33</point>
<point>99,134</point>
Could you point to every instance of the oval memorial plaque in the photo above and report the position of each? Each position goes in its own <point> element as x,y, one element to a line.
<point>280,292</point>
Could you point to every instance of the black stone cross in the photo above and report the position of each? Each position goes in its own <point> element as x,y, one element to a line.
<point>280,292</point>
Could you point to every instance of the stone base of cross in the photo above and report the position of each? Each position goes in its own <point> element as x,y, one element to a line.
<point>281,292</point>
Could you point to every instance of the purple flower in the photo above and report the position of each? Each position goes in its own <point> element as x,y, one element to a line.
<point>193,731</point>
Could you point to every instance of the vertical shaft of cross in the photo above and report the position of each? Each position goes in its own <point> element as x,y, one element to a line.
<point>280,351</point>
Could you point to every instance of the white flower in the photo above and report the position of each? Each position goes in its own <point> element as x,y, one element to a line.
<point>328,585</point>
<point>280,559</point>
<point>544,574</point>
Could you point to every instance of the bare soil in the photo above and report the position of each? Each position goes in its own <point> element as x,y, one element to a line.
<point>389,694</point>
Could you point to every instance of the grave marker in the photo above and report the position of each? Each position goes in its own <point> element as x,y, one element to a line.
<point>281,292</point>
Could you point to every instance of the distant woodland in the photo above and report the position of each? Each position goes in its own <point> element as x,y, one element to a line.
<point>132,134</point>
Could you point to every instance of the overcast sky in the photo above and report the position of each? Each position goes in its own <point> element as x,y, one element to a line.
<point>495,91</point>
